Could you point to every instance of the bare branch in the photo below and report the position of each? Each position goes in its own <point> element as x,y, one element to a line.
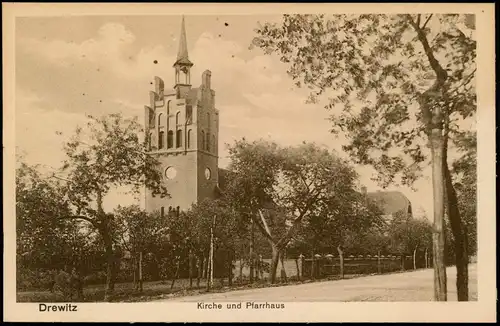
<point>263,230</point>
<point>264,223</point>
<point>427,21</point>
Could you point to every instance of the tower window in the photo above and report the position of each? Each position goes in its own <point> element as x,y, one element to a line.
<point>161,136</point>
<point>168,113</point>
<point>159,119</point>
<point>189,139</point>
<point>189,114</point>
<point>208,142</point>
<point>178,138</point>
<point>213,143</point>
<point>202,139</point>
<point>177,118</point>
<point>170,139</point>
<point>208,120</point>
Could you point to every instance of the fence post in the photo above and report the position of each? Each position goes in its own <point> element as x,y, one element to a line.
<point>341,261</point>
<point>302,265</point>
<point>379,267</point>
<point>312,265</point>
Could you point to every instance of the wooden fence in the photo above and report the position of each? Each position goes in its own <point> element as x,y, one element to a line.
<point>329,265</point>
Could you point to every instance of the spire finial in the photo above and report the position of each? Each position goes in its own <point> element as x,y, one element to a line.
<point>182,54</point>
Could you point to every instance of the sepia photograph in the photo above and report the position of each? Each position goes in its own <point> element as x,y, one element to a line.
<point>239,163</point>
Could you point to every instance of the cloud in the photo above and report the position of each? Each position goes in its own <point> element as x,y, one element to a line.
<point>36,129</point>
<point>60,81</point>
<point>105,46</point>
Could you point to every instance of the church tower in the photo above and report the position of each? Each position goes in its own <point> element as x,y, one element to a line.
<point>183,127</point>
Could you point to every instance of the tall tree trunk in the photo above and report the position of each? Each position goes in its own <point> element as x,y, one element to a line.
<point>274,262</point>
<point>252,240</point>
<point>198,271</point>
<point>205,267</point>
<point>110,268</point>
<point>284,278</point>
<point>432,116</point>
<point>298,269</point>
<point>459,237</point>
<point>176,273</point>
<point>415,259</point>
<point>438,236</point>
<point>104,230</point>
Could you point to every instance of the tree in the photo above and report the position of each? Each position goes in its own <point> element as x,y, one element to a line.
<point>354,225</point>
<point>282,188</point>
<point>141,233</point>
<point>104,155</point>
<point>408,235</point>
<point>465,182</point>
<point>228,231</point>
<point>43,241</point>
<point>412,78</point>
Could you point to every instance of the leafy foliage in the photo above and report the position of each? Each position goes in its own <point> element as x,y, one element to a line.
<point>372,70</point>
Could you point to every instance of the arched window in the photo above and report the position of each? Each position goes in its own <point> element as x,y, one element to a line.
<point>208,120</point>
<point>177,120</point>
<point>214,145</point>
<point>168,113</point>
<point>178,138</point>
<point>170,139</point>
<point>159,120</point>
<point>189,139</point>
<point>202,139</point>
<point>161,138</point>
<point>208,142</point>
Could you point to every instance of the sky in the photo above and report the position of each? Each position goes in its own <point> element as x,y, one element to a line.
<point>68,67</point>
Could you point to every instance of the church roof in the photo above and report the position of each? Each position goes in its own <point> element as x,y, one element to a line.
<point>182,54</point>
<point>391,202</point>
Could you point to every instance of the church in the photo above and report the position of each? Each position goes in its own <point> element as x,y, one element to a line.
<point>183,127</point>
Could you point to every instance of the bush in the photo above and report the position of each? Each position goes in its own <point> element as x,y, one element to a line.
<point>35,279</point>
<point>95,278</point>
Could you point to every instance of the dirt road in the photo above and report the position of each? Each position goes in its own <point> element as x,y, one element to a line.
<point>409,286</point>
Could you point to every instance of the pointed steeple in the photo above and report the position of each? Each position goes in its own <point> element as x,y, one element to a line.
<point>182,54</point>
